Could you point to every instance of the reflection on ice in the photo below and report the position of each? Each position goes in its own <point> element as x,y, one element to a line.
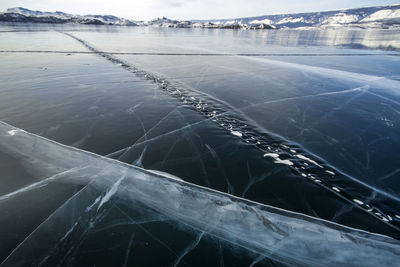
<point>369,80</point>
<point>270,232</point>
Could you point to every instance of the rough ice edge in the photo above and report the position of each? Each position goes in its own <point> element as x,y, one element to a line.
<point>275,233</point>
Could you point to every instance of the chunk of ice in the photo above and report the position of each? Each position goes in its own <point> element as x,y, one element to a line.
<point>309,160</point>
<point>237,133</point>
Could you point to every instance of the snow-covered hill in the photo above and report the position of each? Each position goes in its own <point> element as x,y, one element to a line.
<point>19,14</point>
<point>369,17</point>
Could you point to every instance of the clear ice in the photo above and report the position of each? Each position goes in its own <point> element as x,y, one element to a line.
<point>270,232</point>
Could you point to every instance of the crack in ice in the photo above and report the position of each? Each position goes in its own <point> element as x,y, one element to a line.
<point>275,233</point>
<point>207,105</point>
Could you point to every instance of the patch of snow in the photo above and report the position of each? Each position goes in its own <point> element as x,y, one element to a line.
<point>383,14</point>
<point>291,20</point>
<point>264,21</point>
<point>272,155</point>
<point>12,132</point>
<point>230,22</point>
<point>285,161</point>
<point>339,19</point>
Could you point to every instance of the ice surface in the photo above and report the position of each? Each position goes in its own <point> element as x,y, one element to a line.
<point>218,102</point>
<point>271,232</point>
<point>257,103</point>
<point>42,41</point>
<point>185,108</point>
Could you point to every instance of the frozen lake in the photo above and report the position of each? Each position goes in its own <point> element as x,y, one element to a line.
<point>304,121</point>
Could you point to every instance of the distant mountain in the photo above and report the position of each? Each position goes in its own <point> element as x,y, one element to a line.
<point>368,17</point>
<point>165,22</point>
<point>19,14</point>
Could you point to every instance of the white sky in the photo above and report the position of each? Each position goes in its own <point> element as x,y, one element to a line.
<point>189,9</point>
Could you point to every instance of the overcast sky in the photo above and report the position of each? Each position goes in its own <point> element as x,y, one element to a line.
<point>188,9</point>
